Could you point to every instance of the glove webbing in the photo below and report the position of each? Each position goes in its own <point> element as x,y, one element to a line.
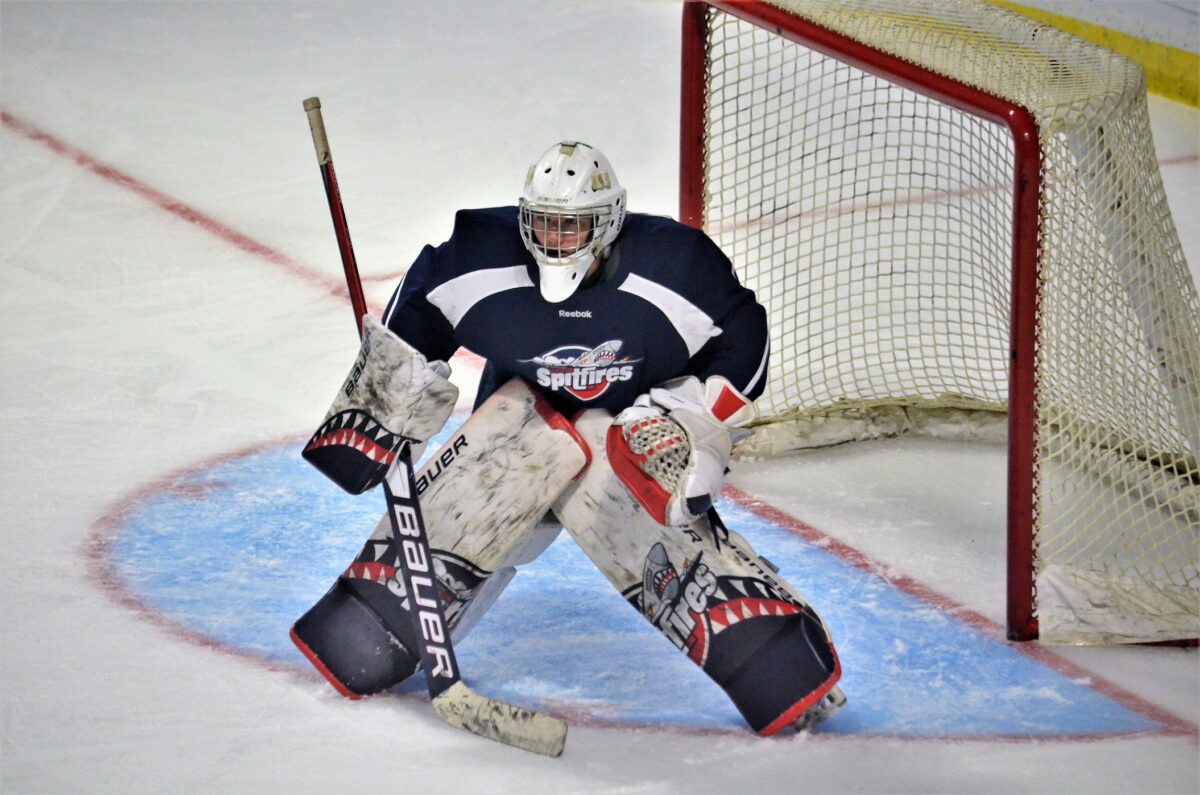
<point>663,448</point>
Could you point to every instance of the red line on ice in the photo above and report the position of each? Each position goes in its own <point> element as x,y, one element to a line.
<point>1172,724</point>
<point>175,207</point>
<point>200,220</point>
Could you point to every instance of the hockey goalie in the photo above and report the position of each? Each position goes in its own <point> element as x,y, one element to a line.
<point>636,328</point>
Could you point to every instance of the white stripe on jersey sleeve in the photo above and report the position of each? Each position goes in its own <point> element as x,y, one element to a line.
<point>762,367</point>
<point>693,325</point>
<point>456,297</point>
<point>390,309</point>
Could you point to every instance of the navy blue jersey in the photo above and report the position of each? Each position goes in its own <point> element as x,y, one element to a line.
<point>669,305</point>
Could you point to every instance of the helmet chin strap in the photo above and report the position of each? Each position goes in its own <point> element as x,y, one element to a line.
<point>603,268</point>
<point>594,274</point>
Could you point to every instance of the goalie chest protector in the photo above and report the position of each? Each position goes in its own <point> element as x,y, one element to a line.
<point>669,304</point>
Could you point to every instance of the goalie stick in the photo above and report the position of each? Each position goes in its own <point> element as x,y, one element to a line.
<point>454,702</point>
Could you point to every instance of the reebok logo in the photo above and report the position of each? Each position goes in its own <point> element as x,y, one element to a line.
<point>579,313</point>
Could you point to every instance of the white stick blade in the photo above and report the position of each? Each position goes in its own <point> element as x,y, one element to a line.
<point>521,728</point>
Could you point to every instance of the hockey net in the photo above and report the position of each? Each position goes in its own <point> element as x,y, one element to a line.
<point>955,218</point>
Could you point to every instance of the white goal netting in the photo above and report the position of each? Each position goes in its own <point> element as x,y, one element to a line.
<point>877,226</point>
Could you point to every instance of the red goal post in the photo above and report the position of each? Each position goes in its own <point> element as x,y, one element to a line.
<point>772,93</point>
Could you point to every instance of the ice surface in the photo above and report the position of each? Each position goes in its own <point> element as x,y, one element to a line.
<point>169,308</point>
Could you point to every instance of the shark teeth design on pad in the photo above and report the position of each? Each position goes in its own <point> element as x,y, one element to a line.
<point>358,431</point>
<point>729,613</point>
<point>375,572</point>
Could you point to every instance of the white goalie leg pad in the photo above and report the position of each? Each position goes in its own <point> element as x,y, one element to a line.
<point>615,530</point>
<point>705,590</point>
<point>484,495</point>
<point>534,544</point>
<point>490,485</point>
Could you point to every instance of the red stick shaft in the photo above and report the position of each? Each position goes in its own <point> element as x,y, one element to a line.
<point>341,229</point>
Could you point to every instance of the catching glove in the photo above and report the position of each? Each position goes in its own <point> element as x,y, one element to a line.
<point>671,447</point>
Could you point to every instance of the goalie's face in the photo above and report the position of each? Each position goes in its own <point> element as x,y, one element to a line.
<point>563,244</point>
<point>559,235</point>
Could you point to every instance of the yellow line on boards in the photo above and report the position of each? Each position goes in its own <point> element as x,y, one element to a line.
<point>1170,72</point>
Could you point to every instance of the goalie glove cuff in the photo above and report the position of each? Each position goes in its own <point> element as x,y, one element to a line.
<point>392,397</point>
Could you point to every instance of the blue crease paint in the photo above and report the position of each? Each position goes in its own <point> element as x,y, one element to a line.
<point>241,550</point>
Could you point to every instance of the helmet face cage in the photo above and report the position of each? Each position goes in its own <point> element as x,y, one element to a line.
<point>560,236</point>
<point>571,210</point>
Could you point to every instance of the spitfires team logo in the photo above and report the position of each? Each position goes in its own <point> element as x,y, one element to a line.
<point>584,372</point>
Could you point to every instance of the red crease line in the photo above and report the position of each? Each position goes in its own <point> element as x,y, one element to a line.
<point>1172,724</point>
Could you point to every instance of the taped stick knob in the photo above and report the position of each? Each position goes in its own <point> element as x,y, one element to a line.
<point>312,106</point>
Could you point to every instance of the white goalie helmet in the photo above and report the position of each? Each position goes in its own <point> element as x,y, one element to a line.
<point>572,209</point>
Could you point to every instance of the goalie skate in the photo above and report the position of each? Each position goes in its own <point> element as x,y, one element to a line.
<point>829,705</point>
